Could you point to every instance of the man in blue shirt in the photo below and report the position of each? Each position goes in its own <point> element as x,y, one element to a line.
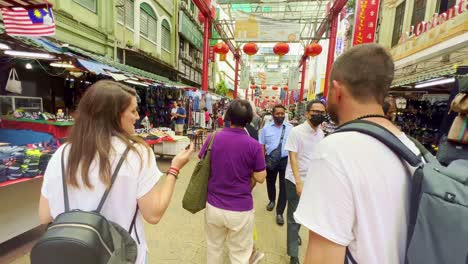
<point>180,116</point>
<point>273,139</point>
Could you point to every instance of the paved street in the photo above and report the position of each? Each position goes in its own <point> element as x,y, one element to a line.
<point>179,237</point>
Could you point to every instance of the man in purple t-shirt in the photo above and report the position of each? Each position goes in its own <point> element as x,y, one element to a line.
<point>237,163</point>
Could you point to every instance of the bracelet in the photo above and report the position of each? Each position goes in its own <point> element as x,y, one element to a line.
<point>174,169</point>
<point>173,174</point>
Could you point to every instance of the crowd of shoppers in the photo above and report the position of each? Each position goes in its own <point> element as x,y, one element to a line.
<point>344,188</point>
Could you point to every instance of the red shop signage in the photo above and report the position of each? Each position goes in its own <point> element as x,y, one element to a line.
<point>365,24</point>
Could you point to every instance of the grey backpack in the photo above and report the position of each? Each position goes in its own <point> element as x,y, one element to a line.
<point>438,229</point>
<point>77,237</point>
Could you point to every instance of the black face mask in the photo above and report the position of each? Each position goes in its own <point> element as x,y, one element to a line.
<point>278,120</point>
<point>316,120</point>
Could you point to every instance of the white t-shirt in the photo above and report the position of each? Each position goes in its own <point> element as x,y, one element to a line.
<point>131,184</point>
<point>303,140</point>
<point>357,195</point>
<point>267,119</point>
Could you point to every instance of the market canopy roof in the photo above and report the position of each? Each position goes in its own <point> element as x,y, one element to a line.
<point>24,3</point>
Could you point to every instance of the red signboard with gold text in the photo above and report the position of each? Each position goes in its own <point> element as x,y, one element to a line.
<point>365,24</point>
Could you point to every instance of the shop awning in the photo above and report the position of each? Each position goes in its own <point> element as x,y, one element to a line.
<point>95,67</point>
<point>24,3</point>
<point>424,76</point>
<point>123,67</point>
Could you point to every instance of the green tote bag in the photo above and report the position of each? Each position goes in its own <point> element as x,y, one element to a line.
<point>195,196</point>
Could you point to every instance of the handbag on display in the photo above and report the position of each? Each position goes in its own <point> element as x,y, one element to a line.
<point>195,196</point>
<point>13,84</point>
<point>460,103</point>
<point>272,160</point>
<point>459,129</point>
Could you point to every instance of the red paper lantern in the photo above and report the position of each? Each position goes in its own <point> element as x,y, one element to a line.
<point>253,86</point>
<point>221,48</point>
<point>264,87</point>
<point>273,97</point>
<point>250,48</point>
<point>274,87</point>
<point>266,97</point>
<point>285,88</point>
<point>281,49</point>
<point>313,49</point>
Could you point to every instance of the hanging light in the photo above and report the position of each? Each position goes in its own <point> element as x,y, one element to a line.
<point>264,87</point>
<point>253,86</point>
<point>221,48</point>
<point>274,87</point>
<point>32,55</point>
<point>250,48</point>
<point>285,88</point>
<point>313,49</point>
<point>29,66</point>
<point>281,49</point>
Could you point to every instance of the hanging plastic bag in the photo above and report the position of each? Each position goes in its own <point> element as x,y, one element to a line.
<point>13,84</point>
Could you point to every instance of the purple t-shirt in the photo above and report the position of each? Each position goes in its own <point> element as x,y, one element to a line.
<point>234,157</point>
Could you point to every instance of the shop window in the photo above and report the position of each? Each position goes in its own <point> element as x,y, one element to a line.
<point>444,5</point>
<point>419,11</point>
<point>148,22</point>
<point>89,4</point>
<point>129,15</point>
<point>166,35</point>
<point>182,47</point>
<point>192,7</point>
<point>398,25</point>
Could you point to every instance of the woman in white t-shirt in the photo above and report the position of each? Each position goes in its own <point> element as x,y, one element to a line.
<point>104,128</point>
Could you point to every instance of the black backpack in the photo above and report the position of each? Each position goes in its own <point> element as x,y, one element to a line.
<point>437,229</point>
<point>77,237</point>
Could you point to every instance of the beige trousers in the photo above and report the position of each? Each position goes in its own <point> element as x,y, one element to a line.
<point>235,229</point>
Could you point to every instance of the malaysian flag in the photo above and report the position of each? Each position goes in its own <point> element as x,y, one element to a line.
<point>29,22</point>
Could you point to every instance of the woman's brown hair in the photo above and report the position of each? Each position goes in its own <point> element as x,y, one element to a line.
<point>97,120</point>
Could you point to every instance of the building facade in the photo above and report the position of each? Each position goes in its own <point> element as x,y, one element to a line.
<point>427,38</point>
<point>190,43</point>
<point>140,33</point>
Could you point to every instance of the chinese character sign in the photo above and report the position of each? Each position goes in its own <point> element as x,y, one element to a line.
<point>366,15</point>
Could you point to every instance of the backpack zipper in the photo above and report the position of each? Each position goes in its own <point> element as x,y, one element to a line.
<point>86,227</point>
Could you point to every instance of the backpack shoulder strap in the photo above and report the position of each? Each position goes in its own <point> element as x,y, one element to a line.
<point>114,176</point>
<point>64,182</point>
<point>383,135</point>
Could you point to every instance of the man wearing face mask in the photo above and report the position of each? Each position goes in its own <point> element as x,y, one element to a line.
<point>273,139</point>
<point>301,144</point>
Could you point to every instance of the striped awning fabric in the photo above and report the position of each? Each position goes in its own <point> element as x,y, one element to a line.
<point>24,3</point>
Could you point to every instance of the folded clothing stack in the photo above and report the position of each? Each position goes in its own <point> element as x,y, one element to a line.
<point>21,162</point>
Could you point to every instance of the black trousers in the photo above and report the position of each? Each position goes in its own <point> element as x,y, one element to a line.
<point>293,227</point>
<point>280,170</point>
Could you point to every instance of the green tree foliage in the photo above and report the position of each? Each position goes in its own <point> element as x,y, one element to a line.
<point>221,88</point>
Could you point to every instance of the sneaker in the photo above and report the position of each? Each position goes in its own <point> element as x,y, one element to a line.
<point>270,206</point>
<point>256,257</point>
<point>280,220</point>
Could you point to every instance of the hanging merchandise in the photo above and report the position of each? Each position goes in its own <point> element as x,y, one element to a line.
<point>13,83</point>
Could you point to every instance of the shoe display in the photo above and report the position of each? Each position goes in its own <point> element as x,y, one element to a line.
<point>280,220</point>
<point>294,260</point>
<point>270,206</point>
<point>25,162</point>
